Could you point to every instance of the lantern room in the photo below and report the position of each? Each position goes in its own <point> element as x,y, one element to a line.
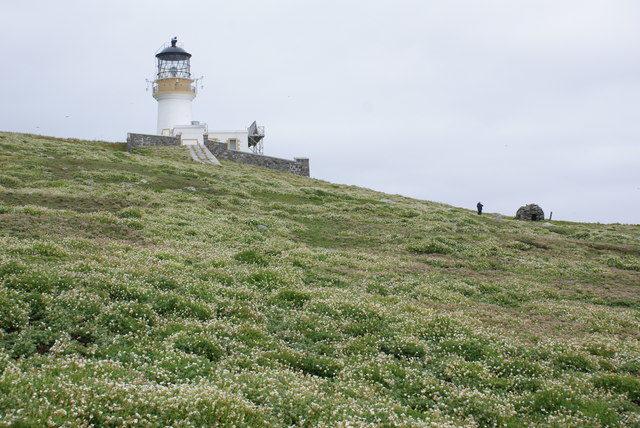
<point>173,62</point>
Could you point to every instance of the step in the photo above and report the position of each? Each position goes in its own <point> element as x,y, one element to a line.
<point>202,154</point>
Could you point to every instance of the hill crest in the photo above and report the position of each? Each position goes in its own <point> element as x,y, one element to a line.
<point>145,288</point>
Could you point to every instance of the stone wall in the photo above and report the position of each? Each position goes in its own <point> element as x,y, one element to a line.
<point>303,166</point>
<point>145,140</point>
<point>299,166</point>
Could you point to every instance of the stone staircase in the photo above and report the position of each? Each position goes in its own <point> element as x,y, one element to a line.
<point>202,154</point>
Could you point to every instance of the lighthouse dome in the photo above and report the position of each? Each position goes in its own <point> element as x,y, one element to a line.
<point>173,52</point>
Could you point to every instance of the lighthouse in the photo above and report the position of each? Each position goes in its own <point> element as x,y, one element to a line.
<point>174,89</point>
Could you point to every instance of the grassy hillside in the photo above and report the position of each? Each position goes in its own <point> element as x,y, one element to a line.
<point>146,289</point>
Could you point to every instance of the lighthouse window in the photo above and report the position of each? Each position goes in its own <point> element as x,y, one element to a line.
<point>172,67</point>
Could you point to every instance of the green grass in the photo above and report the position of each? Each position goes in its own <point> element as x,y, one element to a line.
<point>269,299</point>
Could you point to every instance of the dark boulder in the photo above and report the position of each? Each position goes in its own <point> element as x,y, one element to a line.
<point>531,212</point>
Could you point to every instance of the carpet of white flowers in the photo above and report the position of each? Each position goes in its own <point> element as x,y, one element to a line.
<point>144,289</point>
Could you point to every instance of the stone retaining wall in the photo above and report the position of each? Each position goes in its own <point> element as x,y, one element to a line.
<point>299,166</point>
<point>145,140</point>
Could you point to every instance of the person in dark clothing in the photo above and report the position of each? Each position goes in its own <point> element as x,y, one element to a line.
<point>479,208</point>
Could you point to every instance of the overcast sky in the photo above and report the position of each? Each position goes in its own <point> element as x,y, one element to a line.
<point>506,102</point>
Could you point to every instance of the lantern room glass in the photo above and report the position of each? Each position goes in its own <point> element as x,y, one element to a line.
<point>176,67</point>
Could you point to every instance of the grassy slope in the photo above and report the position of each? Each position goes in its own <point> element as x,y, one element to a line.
<point>267,298</point>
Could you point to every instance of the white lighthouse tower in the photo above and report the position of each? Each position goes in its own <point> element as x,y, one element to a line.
<point>174,89</point>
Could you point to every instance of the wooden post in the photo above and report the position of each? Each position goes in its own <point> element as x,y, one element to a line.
<point>550,215</point>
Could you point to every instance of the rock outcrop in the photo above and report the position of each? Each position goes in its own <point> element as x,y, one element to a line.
<point>531,212</point>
